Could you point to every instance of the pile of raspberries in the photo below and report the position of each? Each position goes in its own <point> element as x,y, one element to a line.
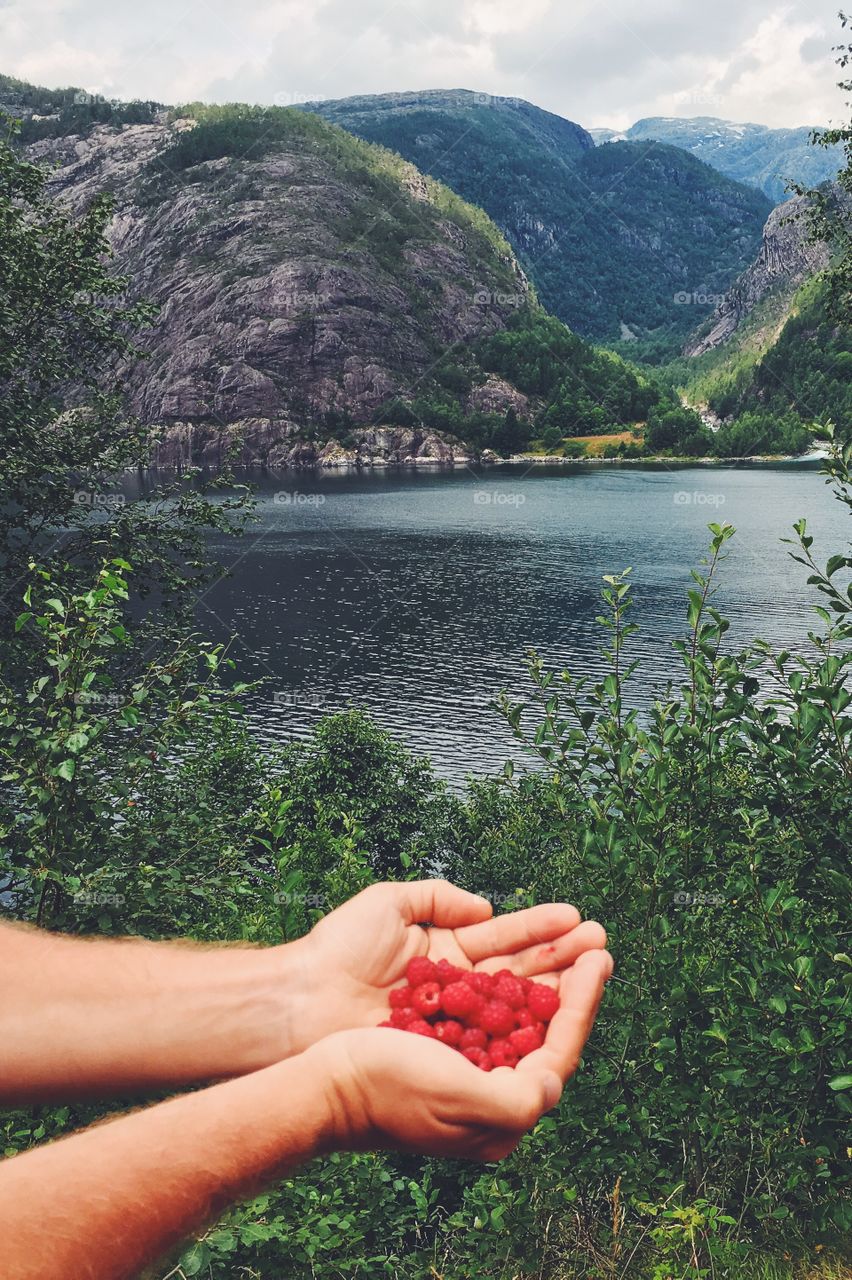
<point>494,1019</point>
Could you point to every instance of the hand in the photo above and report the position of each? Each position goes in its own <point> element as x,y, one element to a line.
<point>389,1089</point>
<point>351,959</point>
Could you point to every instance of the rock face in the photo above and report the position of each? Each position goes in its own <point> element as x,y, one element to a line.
<point>302,283</point>
<point>256,442</point>
<point>787,258</point>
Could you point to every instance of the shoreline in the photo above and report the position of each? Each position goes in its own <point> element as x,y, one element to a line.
<point>516,460</point>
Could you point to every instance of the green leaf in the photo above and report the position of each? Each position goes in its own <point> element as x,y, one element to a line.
<point>840,1082</point>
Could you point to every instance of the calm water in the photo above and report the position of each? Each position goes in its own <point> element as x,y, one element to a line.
<point>417,596</point>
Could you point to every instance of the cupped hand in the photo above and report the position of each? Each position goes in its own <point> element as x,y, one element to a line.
<point>389,1089</point>
<point>352,957</point>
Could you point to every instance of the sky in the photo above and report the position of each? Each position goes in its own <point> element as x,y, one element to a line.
<point>599,62</point>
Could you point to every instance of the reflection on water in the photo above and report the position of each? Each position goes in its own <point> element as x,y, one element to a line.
<point>417,595</point>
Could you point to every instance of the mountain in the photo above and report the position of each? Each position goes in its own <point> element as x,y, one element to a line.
<point>772,350</point>
<point>631,242</point>
<point>752,153</point>
<point>788,257</point>
<point>321,300</point>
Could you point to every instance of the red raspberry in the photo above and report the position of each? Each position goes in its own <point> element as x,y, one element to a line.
<point>525,1018</point>
<point>400,997</point>
<point>459,1000</point>
<point>473,1038</point>
<point>483,983</point>
<point>427,999</point>
<point>419,970</point>
<point>497,1018</point>
<point>503,1053</point>
<point>403,1017</point>
<point>542,1001</point>
<point>448,973</point>
<point>421,1028</point>
<point>508,988</point>
<point>449,1032</point>
<point>525,1040</point>
<point>526,983</point>
<point>478,1057</point>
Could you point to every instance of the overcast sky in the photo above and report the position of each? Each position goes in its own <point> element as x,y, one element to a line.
<point>600,62</point>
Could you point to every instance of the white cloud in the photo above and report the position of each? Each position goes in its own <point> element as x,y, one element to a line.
<point>596,61</point>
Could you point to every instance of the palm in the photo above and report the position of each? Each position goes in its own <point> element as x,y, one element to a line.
<point>358,952</point>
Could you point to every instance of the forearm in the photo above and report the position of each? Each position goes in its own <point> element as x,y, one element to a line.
<point>92,1017</point>
<point>102,1204</point>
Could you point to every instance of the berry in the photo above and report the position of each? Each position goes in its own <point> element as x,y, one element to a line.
<point>542,1001</point>
<point>483,983</point>
<point>473,1038</point>
<point>509,989</point>
<point>525,1040</point>
<point>459,1000</point>
<point>447,973</point>
<point>419,970</point>
<point>421,1028</point>
<point>479,1058</point>
<point>503,1053</point>
<point>525,1018</point>
<point>497,1018</point>
<point>400,997</point>
<point>427,999</point>
<point>449,1032</point>
<point>403,1017</point>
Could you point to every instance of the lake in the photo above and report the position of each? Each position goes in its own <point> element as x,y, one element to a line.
<point>416,595</point>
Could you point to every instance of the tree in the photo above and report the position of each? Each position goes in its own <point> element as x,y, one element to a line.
<point>830,213</point>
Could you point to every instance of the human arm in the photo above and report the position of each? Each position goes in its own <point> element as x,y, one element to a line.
<point>97,1017</point>
<point>102,1204</point>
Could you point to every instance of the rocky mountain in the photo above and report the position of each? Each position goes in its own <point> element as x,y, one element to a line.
<point>788,257</point>
<point>319,299</point>
<point>304,278</point>
<point>773,348</point>
<point>752,153</point>
<point>631,243</point>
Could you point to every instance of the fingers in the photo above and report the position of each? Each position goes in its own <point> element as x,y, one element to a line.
<point>580,991</point>
<point>440,903</point>
<point>505,1100</point>
<point>502,936</point>
<point>554,956</point>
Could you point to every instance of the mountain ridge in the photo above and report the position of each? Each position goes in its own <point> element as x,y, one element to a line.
<point>757,154</point>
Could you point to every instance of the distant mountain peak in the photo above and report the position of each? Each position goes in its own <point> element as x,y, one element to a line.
<point>754,153</point>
